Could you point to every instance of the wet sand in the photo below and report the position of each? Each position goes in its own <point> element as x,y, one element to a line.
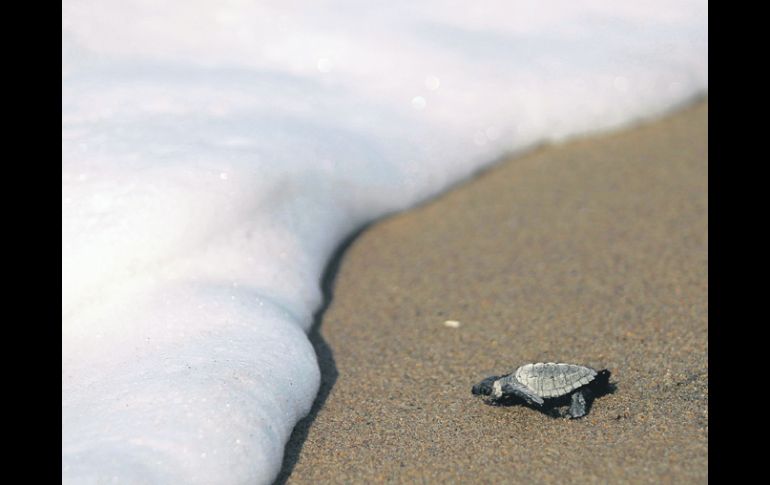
<point>592,252</point>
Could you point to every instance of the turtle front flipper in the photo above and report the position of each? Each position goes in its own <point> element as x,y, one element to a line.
<point>581,401</point>
<point>510,387</point>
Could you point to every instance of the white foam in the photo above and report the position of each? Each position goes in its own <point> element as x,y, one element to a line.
<point>215,153</point>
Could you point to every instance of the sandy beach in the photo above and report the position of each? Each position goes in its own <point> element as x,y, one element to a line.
<point>592,252</point>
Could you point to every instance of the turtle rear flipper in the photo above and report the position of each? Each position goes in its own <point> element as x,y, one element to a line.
<point>581,402</point>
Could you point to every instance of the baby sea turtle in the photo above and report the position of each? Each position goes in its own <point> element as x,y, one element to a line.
<point>545,385</point>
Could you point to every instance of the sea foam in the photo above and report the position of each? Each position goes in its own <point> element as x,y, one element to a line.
<point>215,153</point>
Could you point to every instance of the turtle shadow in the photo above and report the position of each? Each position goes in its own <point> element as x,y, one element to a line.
<point>326,363</point>
<point>553,406</point>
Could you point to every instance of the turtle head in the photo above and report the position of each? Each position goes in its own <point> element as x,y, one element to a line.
<point>484,387</point>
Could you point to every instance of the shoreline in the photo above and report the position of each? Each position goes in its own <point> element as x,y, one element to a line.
<point>593,251</point>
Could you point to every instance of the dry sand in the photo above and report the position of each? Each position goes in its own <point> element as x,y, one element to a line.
<point>593,252</point>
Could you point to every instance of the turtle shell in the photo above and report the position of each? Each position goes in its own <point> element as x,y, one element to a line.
<point>552,379</point>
